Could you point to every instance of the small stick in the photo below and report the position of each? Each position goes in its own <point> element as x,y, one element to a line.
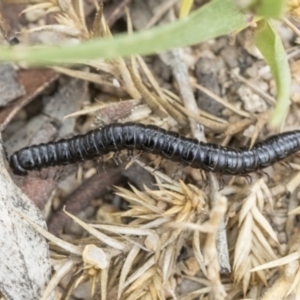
<point>96,186</point>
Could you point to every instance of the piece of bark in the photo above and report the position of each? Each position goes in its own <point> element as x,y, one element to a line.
<point>113,112</point>
<point>71,94</point>
<point>35,81</point>
<point>25,267</point>
<point>10,89</point>
<point>11,19</point>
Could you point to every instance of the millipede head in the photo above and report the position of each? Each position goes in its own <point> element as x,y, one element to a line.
<point>16,167</point>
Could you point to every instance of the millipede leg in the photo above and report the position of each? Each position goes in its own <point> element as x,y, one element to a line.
<point>221,181</point>
<point>248,178</point>
<point>57,172</point>
<point>204,179</point>
<point>176,171</point>
<point>139,153</point>
<point>182,173</point>
<point>117,158</point>
<point>129,154</point>
<point>286,165</point>
<point>79,172</point>
<point>100,161</point>
<point>156,168</point>
<point>262,173</point>
<point>151,163</point>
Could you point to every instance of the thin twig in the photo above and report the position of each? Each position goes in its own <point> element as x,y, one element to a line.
<point>222,244</point>
<point>261,93</point>
<point>160,11</point>
<point>174,58</point>
<point>291,25</point>
<point>220,100</point>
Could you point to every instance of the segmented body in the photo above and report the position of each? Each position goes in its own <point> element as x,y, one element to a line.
<point>167,144</point>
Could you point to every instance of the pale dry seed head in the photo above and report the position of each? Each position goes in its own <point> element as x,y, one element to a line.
<point>252,247</point>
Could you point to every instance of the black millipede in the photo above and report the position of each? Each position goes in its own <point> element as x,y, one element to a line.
<point>152,139</point>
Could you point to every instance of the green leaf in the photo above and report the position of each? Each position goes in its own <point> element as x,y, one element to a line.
<point>270,8</point>
<point>263,8</point>
<point>214,19</point>
<point>270,45</point>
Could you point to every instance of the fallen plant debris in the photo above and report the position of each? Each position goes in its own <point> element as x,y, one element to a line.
<point>131,225</point>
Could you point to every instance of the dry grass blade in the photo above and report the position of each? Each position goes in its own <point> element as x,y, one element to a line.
<point>148,264</point>
<point>100,65</point>
<point>158,174</point>
<point>126,268</point>
<point>243,245</point>
<point>132,197</point>
<point>128,82</point>
<point>146,94</point>
<point>171,97</point>
<point>287,284</point>
<point>157,285</point>
<point>160,10</point>
<point>142,280</point>
<point>63,244</point>
<point>156,223</point>
<point>278,262</point>
<point>293,183</point>
<point>215,126</point>
<point>123,229</point>
<point>260,219</point>
<point>295,211</point>
<point>56,278</point>
<point>198,253</point>
<point>220,100</point>
<point>99,26</point>
<point>207,228</point>
<point>266,96</point>
<point>83,75</point>
<point>199,292</point>
<point>295,284</point>
<point>69,31</point>
<point>175,114</point>
<point>260,240</point>
<point>84,111</point>
<point>239,126</point>
<point>104,282</point>
<point>79,11</point>
<point>102,237</point>
<point>168,262</point>
<point>150,76</point>
<point>44,5</point>
<point>107,112</point>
